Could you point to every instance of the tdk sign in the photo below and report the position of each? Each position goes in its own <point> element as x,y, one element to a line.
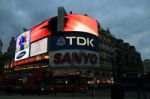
<point>81,41</point>
<point>74,40</point>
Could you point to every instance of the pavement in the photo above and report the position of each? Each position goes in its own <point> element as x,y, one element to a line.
<point>49,97</point>
<point>105,94</point>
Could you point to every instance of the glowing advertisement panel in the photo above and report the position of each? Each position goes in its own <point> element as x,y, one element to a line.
<point>74,49</point>
<point>74,40</point>
<point>75,22</point>
<point>39,47</point>
<point>40,31</point>
<point>31,59</point>
<point>75,57</point>
<point>22,46</point>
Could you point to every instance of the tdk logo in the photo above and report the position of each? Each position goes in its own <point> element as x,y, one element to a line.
<point>61,41</point>
<point>82,41</point>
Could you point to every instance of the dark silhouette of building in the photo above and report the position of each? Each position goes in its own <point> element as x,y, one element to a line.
<point>1,58</point>
<point>116,57</point>
<point>146,65</point>
<point>1,45</point>
<point>106,51</point>
<point>127,59</point>
<point>9,55</point>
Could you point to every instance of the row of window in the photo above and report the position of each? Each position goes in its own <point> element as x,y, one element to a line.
<point>105,64</point>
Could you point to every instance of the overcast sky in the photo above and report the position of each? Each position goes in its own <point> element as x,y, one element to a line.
<point>126,19</point>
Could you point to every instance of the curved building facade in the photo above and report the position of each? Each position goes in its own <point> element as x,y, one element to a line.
<point>43,52</point>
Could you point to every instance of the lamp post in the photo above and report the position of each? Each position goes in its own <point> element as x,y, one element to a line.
<point>113,58</point>
<point>92,89</point>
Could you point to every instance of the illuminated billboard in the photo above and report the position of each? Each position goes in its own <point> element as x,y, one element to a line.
<point>74,49</point>
<point>74,40</point>
<point>80,32</point>
<point>31,59</point>
<point>74,58</point>
<point>40,31</point>
<point>39,47</point>
<point>73,22</point>
<point>22,46</point>
<point>82,23</point>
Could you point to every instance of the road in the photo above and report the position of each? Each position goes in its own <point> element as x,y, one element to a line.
<point>97,95</point>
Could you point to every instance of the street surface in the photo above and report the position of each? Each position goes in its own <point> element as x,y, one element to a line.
<point>105,94</point>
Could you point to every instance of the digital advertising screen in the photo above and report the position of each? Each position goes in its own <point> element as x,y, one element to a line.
<point>22,46</point>
<point>80,32</point>
<point>40,31</point>
<point>73,22</point>
<point>74,49</point>
<point>74,57</point>
<point>31,59</point>
<point>39,47</point>
<point>82,23</point>
<point>74,40</point>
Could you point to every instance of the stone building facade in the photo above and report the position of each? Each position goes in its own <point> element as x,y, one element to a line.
<point>117,57</point>
<point>146,65</point>
<point>1,57</point>
<point>127,59</point>
<point>9,55</point>
<point>1,45</point>
<point>106,51</point>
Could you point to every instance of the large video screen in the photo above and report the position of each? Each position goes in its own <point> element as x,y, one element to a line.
<point>82,23</point>
<point>22,46</point>
<point>74,49</point>
<point>73,22</point>
<point>70,38</point>
<point>74,57</point>
<point>74,40</point>
<point>40,31</point>
<point>39,47</point>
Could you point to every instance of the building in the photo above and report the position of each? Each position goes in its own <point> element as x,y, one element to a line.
<point>1,58</point>
<point>127,59</point>
<point>7,58</point>
<point>69,56</point>
<point>1,45</point>
<point>146,65</point>
<point>9,55</point>
<point>117,57</point>
<point>64,53</point>
<point>106,52</point>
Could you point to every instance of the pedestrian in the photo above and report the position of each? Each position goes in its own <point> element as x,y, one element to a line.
<point>140,87</point>
<point>117,90</point>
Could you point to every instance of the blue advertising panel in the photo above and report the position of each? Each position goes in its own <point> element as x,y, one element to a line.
<point>74,40</point>
<point>22,46</point>
<point>74,49</point>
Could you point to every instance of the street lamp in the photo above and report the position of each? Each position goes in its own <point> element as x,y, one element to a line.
<point>113,58</point>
